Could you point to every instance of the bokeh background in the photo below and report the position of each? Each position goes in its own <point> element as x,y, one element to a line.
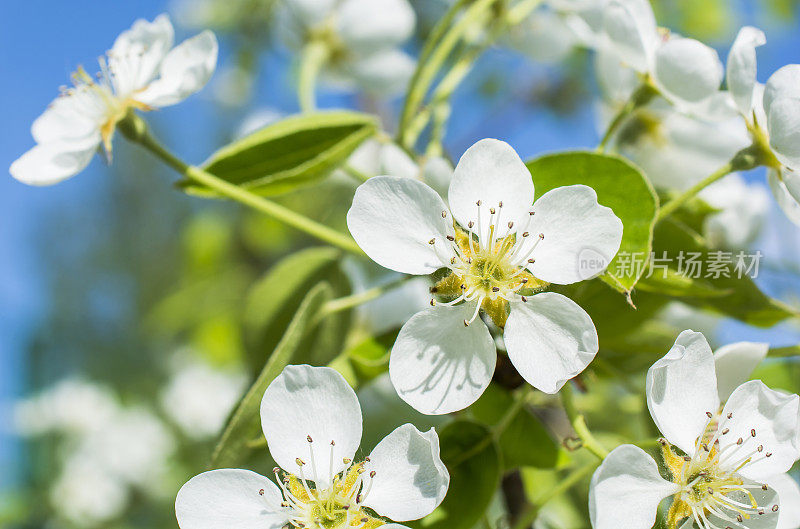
<point>116,282</point>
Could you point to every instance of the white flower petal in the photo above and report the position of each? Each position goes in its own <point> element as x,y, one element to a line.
<point>789,500</point>
<point>617,82</point>
<point>632,33</point>
<point>741,67</point>
<point>734,363</point>
<point>626,490</point>
<point>50,163</point>
<point>437,172</point>
<point>138,52</point>
<point>550,339</point>
<point>773,416</point>
<point>743,209</point>
<point>686,70</point>
<point>410,479</point>
<point>682,389</point>
<point>783,122</point>
<point>310,401</point>
<point>789,205</point>
<point>221,499</point>
<point>393,219</point>
<point>438,365</point>
<point>385,72</point>
<point>784,83</point>
<point>575,228</point>
<point>492,172</point>
<point>391,22</point>
<point>396,162</point>
<point>791,180</point>
<point>185,70</point>
<point>65,119</point>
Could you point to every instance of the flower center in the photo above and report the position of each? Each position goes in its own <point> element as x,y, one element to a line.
<point>105,101</point>
<point>490,271</point>
<point>710,480</point>
<point>311,504</point>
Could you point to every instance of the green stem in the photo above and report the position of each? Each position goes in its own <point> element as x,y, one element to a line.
<point>578,422</point>
<point>136,130</point>
<point>576,476</point>
<point>430,64</point>
<point>641,96</point>
<point>315,53</point>
<point>519,401</point>
<point>670,207</point>
<point>354,300</point>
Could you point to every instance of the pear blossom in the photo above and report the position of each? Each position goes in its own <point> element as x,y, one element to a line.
<point>312,423</point>
<point>742,209</point>
<point>73,406</point>
<point>772,114</point>
<point>87,494</point>
<point>362,37</point>
<point>142,71</point>
<point>684,71</point>
<point>675,150</point>
<point>500,250</point>
<point>384,157</point>
<point>724,443</point>
<point>552,31</point>
<point>199,397</point>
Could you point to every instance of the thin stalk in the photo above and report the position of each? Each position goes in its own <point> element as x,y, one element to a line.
<point>315,53</point>
<point>670,207</point>
<point>641,96</point>
<point>354,300</point>
<point>578,422</point>
<point>136,130</point>
<point>427,69</point>
<point>576,476</point>
<point>516,406</point>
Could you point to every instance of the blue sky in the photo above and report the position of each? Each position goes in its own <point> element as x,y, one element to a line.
<point>43,42</point>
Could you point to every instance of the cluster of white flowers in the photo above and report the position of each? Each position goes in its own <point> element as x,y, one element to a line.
<point>364,55</point>
<point>486,257</point>
<point>694,127</point>
<point>108,449</point>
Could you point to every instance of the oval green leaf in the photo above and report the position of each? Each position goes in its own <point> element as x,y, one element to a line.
<point>291,153</point>
<point>619,185</point>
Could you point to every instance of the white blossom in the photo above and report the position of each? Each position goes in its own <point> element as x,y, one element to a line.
<point>684,71</point>
<point>198,397</point>
<point>772,114</point>
<point>499,249</point>
<point>73,406</point>
<point>312,422</point>
<point>725,441</point>
<point>742,211</point>
<point>675,149</point>
<point>363,38</point>
<point>142,71</point>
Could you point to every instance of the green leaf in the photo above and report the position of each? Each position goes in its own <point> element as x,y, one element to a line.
<point>525,441</point>
<point>472,457</point>
<point>291,153</point>
<point>273,300</point>
<point>744,301</point>
<point>244,424</point>
<point>672,283</point>
<point>620,186</point>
